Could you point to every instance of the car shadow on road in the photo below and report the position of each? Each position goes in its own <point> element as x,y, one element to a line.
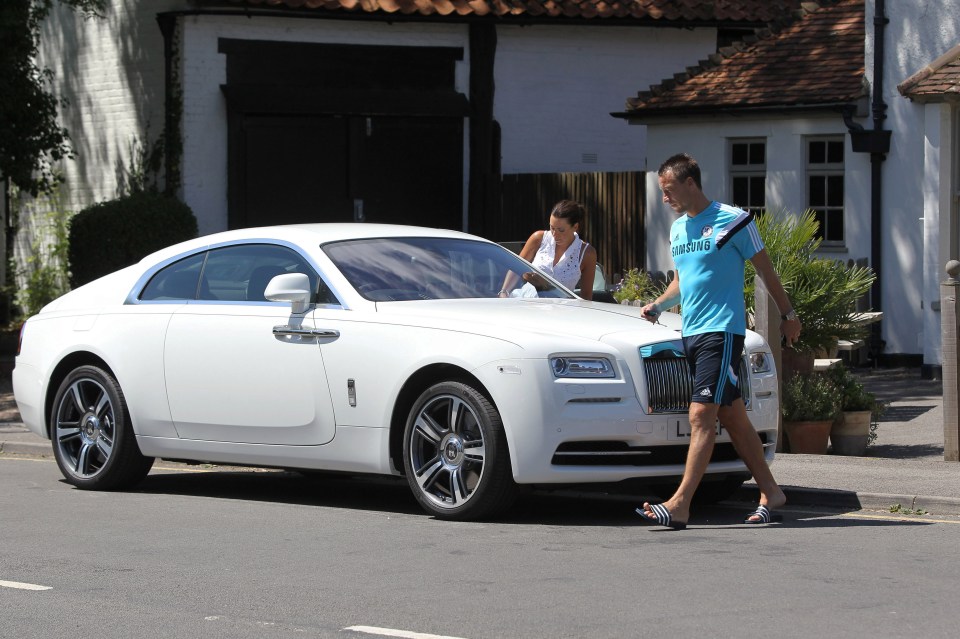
<point>374,492</point>
<point>533,507</point>
<point>331,490</point>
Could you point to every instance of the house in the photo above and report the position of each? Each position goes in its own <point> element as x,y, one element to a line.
<point>807,115</point>
<point>278,111</point>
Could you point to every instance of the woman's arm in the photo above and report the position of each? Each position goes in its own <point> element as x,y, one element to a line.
<point>528,252</point>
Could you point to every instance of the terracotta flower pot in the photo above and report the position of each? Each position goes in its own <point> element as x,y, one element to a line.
<point>851,432</point>
<point>809,438</point>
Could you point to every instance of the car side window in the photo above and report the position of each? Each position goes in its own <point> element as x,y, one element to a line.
<point>177,281</point>
<point>241,273</point>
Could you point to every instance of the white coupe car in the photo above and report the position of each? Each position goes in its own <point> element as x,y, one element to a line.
<point>367,348</point>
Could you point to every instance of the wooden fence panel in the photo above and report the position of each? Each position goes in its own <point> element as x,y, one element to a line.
<point>615,212</point>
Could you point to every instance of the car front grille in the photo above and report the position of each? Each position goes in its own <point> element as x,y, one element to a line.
<point>670,386</point>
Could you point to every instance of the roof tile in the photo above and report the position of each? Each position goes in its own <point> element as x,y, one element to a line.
<point>733,11</point>
<point>817,58</point>
<point>939,81</point>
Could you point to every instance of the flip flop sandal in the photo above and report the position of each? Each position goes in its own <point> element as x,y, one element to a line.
<point>661,516</point>
<point>764,514</point>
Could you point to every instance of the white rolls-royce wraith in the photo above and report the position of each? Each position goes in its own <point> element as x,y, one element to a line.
<point>367,348</point>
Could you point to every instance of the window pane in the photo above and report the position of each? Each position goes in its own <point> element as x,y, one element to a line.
<point>758,198</point>
<point>835,190</point>
<point>178,281</point>
<point>758,153</point>
<point>241,273</point>
<point>818,197</point>
<point>818,152</point>
<point>835,226</point>
<point>835,152</point>
<point>741,196</point>
<point>821,218</point>
<point>739,154</point>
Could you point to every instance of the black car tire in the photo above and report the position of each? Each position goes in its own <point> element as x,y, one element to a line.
<point>93,442</point>
<point>455,454</point>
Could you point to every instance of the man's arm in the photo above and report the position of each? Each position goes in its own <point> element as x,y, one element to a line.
<point>669,297</point>
<point>764,267</point>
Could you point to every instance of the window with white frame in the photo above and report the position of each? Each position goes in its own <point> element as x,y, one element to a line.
<point>748,174</point>
<point>825,187</point>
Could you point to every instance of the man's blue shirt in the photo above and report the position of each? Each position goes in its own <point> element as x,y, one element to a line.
<point>711,279</point>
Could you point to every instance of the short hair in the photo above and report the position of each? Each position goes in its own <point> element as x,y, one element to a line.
<point>683,166</point>
<point>569,210</point>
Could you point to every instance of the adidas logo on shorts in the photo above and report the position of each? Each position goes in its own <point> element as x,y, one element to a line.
<point>705,393</point>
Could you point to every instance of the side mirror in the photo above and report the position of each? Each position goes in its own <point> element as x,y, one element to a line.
<point>290,287</point>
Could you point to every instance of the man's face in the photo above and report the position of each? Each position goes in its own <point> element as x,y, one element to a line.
<point>678,195</point>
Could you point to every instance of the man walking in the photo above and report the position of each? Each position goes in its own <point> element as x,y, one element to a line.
<point>710,243</point>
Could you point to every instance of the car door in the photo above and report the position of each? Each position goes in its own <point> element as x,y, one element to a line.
<point>239,368</point>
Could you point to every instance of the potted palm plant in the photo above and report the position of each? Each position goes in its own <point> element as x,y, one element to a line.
<point>855,427</point>
<point>809,404</point>
<point>824,292</point>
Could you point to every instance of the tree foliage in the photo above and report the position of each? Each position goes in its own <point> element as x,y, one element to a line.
<point>31,137</point>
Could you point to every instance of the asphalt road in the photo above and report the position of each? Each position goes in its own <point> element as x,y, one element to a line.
<point>273,554</point>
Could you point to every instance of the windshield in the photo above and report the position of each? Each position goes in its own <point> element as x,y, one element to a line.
<point>425,268</point>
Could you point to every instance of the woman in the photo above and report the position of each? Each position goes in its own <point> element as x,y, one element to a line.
<point>559,252</point>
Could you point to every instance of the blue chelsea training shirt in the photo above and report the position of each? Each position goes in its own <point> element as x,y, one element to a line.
<point>711,278</point>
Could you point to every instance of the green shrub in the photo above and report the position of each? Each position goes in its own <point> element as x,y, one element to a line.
<point>40,265</point>
<point>637,285</point>
<point>111,235</point>
<point>854,397</point>
<point>810,398</point>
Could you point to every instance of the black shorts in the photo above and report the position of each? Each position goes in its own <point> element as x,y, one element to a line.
<point>714,360</point>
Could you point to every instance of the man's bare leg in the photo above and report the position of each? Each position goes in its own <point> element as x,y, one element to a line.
<point>703,434</point>
<point>750,449</point>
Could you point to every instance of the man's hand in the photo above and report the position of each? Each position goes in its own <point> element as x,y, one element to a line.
<point>791,331</point>
<point>651,312</point>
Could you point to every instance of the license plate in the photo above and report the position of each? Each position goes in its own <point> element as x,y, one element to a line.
<point>682,429</point>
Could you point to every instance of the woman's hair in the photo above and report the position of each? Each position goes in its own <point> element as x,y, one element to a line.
<point>569,210</point>
<point>682,166</point>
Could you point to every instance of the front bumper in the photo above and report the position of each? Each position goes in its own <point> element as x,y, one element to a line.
<point>564,431</point>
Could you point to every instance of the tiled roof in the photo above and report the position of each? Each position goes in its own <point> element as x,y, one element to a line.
<point>815,59</point>
<point>733,11</point>
<point>937,82</point>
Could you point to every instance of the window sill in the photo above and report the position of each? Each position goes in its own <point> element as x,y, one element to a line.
<point>833,248</point>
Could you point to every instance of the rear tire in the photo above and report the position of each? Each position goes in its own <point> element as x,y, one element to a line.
<point>455,454</point>
<point>93,442</point>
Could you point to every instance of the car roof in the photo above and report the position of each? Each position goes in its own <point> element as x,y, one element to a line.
<point>308,234</point>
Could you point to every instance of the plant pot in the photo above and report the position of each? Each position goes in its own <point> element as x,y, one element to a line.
<point>808,438</point>
<point>851,432</point>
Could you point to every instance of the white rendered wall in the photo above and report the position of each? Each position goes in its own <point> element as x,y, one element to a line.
<point>913,187</point>
<point>556,87</point>
<point>709,142</point>
<point>111,71</point>
<point>204,108</point>
<point>918,33</point>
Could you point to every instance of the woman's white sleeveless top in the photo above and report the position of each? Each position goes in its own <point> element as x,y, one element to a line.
<point>567,270</point>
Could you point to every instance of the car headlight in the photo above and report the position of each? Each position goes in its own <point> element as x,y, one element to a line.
<point>584,367</point>
<point>761,362</point>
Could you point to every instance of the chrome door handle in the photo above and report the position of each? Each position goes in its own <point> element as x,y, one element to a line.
<point>304,332</point>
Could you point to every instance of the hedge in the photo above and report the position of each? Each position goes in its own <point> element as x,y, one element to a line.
<point>110,235</point>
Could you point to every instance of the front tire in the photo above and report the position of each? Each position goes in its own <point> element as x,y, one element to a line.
<point>93,442</point>
<point>455,454</point>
